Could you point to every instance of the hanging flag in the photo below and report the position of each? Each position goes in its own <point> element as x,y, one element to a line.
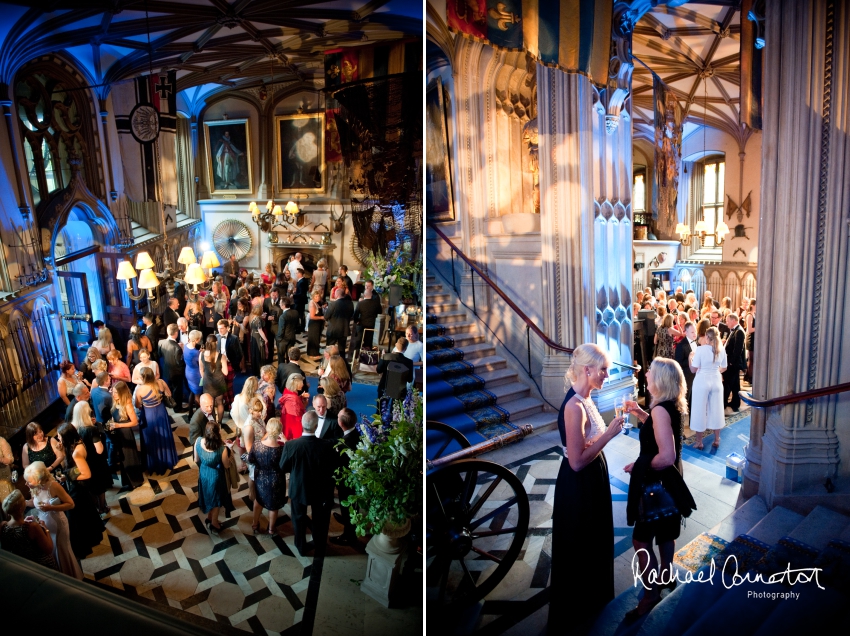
<point>573,35</point>
<point>751,70</point>
<point>333,147</point>
<point>351,64</point>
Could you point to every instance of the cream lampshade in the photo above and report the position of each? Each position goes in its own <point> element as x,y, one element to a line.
<point>277,211</point>
<point>292,208</point>
<point>195,275</point>
<point>209,260</point>
<point>125,271</point>
<point>701,226</point>
<point>144,261</point>
<point>187,256</point>
<point>682,230</point>
<point>722,229</point>
<point>148,280</point>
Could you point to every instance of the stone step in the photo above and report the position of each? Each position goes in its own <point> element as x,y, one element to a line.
<point>440,297</point>
<point>498,377</point>
<point>472,352</point>
<point>457,315</point>
<point>438,308</point>
<point>776,524</point>
<point>741,520</point>
<point>522,408</point>
<point>459,327</point>
<point>540,422</point>
<point>508,392</point>
<point>820,527</point>
<point>464,339</point>
<point>433,287</point>
<point>489,363</point>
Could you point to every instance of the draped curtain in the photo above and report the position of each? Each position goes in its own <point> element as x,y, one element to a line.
<point>696,171</point>
<point>185,169</point>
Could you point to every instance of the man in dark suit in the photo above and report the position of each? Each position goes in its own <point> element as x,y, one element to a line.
<point>227,343</point>
<point>170,314</point>
<point>396,356</point>
<point>206,413</point>
<point>81,394</point>
<point>722,327</point>
<point>285,369</point>
<point>288,328</point>
<point>326,427</point>
<point>367,312</point>
<point>310,462</point>
<point>151,329</point>
<point>173,365</point>
<point>343,274</point>
<point>301,295</point>
<point>101,399</point>
<point>271,307</point>
<point>231,271</point>
<point>682,355</point>
<point>350,438</point>
<point>735,363</point>
<point>338,320</point>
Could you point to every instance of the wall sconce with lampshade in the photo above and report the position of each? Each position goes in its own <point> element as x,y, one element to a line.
<point>701,232</point>
<point>150,280</point>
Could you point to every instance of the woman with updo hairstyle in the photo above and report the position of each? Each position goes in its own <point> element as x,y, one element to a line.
<point>582,519</point>
<point>269,480</point>
<point>660,459</point>
<point>69,377</point>
<point>160,451</point>
<point>708,362</point>
<point>137,342</point>
<point>84,520</point>
<point>117,369</point>
<point>124,420</point>
<point>212,456</point>
<point>51,501</point>
<point>665,337</point>
<point>28,539</point>
<point>101,476</point>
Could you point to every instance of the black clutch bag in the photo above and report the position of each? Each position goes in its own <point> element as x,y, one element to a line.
<point>655,503</point>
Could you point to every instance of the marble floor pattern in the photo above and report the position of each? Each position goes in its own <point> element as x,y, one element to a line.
<point>519,604</point>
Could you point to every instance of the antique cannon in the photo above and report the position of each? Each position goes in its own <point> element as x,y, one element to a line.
<point>477,517</point>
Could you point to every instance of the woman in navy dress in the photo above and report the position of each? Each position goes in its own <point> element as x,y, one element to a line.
<point>582,519</point>
<point>160,451</point>
<point>193,371</point>
<point>269,481</point>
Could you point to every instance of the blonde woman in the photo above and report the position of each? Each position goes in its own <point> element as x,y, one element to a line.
<point>269,480</point>
<point>98,367</point>
<point>104,342</point>
<point>118,370</point>
<point>101,476</point>
<point>145,362</point>
<point>708,362</point>
<point>92,356</point>
<point>659,460</point>
<point>239,411</point>
<point>320,276</point>
<point>124,421</point>
<point>26,538</point>
<point>582,519</point>
<point>292,405</point>
<point>51,501</point>
<point>253,428</point>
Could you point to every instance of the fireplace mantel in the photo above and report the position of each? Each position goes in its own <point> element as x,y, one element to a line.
<point>280,251</point>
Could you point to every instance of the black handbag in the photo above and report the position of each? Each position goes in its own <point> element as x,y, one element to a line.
<point>169,400</point>
<point>655,503</point>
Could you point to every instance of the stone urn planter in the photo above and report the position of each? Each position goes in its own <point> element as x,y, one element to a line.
<point>386,552</point>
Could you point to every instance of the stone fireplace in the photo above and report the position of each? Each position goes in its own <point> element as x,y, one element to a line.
<point>311,253</point>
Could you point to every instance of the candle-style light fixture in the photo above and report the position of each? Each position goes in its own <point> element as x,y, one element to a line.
<point>150,280</point>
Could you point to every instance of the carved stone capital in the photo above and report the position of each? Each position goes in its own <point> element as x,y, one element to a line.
<point>620,67</point>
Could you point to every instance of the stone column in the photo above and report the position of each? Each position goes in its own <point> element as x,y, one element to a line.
<point>585,193</point>
<point>801,341</point>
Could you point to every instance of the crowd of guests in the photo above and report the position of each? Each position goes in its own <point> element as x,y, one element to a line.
<point>116,422</point>
<point>713,343</point>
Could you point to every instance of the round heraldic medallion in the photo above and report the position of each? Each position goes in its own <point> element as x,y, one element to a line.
<point>144,123</point>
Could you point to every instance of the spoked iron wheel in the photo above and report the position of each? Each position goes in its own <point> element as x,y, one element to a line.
<point>477,521</point>
<point>442,442</point>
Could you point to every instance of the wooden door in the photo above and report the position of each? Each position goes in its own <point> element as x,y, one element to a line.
<point>118,310</point>
<point>74,293</point>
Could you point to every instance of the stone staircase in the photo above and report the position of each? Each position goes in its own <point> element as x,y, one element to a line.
<point>470,387</point>
<point>764,542</point>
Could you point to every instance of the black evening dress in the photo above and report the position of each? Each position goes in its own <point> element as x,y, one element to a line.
<point>214,381</point>
<point>269,481</point>
<point>582,571</point>
<point>132,468</point>
<point>258,347</point>
<point>101,474</point>
<point>314,332</point>
<point>84,522</point>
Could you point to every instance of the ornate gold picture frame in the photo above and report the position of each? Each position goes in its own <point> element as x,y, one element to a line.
<point>300,151</point>
<point>229,153</point>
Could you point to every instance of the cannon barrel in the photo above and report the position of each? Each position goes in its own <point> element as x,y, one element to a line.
<point>484,447</point>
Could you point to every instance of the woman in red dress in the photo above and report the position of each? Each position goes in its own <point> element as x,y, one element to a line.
<point>293,405</point>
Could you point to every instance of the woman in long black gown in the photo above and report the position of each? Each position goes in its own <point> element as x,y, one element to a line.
<point>582,521</point>
<point>316,326</point>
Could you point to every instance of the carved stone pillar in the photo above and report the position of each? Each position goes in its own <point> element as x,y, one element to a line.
<point>803,246</point>
<point>585,185</point>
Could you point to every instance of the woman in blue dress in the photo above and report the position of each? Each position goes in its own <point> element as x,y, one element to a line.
<point>160,451</point>
<point>269,480</point>
<point>212,457</point>
<point>193,372</point>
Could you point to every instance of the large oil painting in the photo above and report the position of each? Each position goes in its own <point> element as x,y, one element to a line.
<point>229,156</point>
<point>301,152</point>
<point>438,185</point>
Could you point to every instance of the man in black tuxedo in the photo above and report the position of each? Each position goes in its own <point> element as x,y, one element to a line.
<point>367,312</point>
<point>288,328</point>
<point>170,314</point>
<point>722,327</point>
<point>301,295</point>
<point>397,355</point>
<point>81,394</point>
<point>285,369</point>
<point>228,344</point>
<point>326,427</point>
<point>350,438</point>
<point>338,320</point>
<point>206,413</point>
<point>271,307</point>
<point>682,355</point>
<point>343,274</point>
<point>311,463</point>
<point>736,362</point>
<point>231,271</point>
<point>173,365</point>
<point>151,329</point>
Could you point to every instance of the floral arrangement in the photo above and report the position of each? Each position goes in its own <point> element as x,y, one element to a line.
<point>385,470</point>
<point>398,267</point>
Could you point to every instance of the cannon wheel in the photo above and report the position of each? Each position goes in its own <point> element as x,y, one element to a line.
<point>472,546</point>
<point>451,433</point>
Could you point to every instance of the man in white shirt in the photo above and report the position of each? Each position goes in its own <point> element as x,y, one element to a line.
<point>295,264</point>
<point>414,346</point>
<point>183,325</point>
<point>327,427</point>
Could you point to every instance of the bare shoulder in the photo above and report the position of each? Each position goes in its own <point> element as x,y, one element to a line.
<point>573,410</point>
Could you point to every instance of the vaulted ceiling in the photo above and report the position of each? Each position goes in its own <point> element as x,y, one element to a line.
<point>238,43</point>
<point>695,50</point>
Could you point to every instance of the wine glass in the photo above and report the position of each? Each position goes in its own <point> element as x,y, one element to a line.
<point>620,410</point>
